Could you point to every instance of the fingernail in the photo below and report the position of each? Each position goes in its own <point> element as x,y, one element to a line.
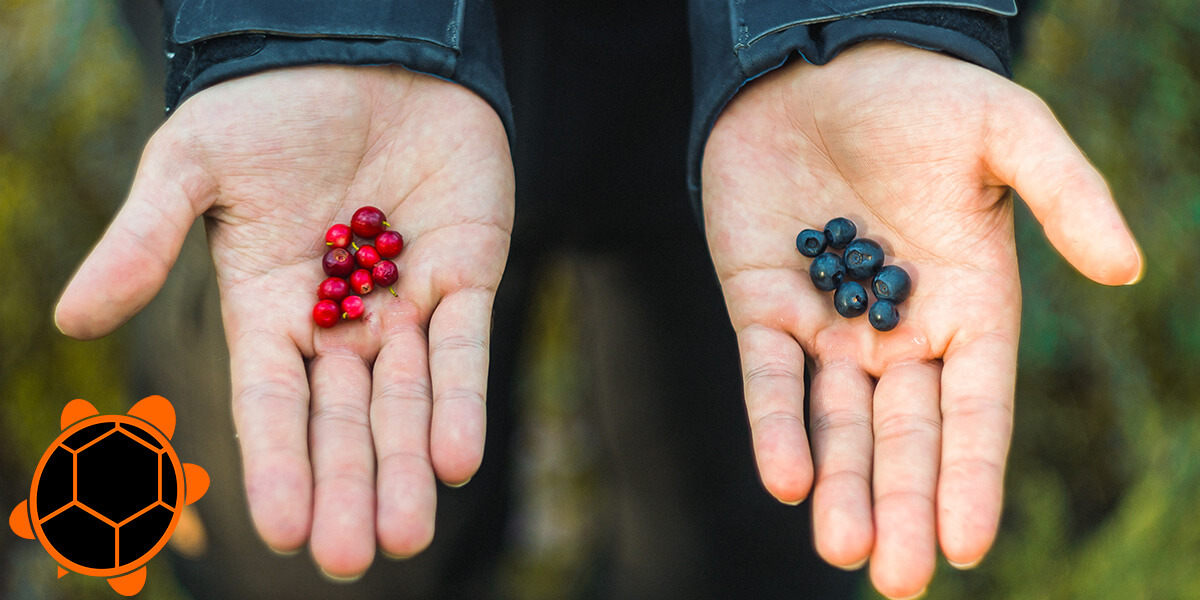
<point>963,566</point>
<point>1141,264</point>
<point>285,553</point>
<point>460,484</point>
<point>390,556</point>
<point>793,502</point>
<point>912,597</point>
<point>336,579</point>
<point>852,567</point>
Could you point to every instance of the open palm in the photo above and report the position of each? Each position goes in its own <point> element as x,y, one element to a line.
<point>910,428</point>
<point>345,431</point>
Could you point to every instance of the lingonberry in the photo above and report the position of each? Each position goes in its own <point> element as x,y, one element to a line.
<point>366,256</point>
<point>810,242</point>
<point>389,244</point>
<point>883,315</point>
<point>326,313</point>
<point>827,271</point>
<point>863,258</point>
<point>360,282</point>
<point>334,288</point>
<point>368,222</point>
<point>850,299</point>
<point>352,307</point>
<point>338,236</point>
<point>892,283</point>
<point>384,274</point>
<point>839,232</point>
<point>338,263</point>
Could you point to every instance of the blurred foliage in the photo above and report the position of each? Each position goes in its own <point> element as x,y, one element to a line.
<point>1104,474</point>
<point>73,116</point>
<point>1105,467</point>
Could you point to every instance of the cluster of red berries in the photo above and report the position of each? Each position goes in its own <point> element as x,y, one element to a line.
<point>352,276</point>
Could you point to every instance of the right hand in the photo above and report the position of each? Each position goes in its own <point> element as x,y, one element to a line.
<point>344,431</point>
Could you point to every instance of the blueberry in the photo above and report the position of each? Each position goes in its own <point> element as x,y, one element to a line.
<point>810,242</point>
<point>863,258</point>
<point>839,232</point>
<point>850,299</point>
<point>883,315</point>
<point>827,271</point>
<point>892,283</point>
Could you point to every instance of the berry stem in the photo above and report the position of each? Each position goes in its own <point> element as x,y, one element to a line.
<point>393,291</point>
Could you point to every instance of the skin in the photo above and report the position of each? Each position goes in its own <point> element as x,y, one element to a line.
<point>910,428</point>
<point>344,432</point>
<point>354,425</point>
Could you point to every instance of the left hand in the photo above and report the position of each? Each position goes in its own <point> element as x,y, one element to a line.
<point>910,428</point>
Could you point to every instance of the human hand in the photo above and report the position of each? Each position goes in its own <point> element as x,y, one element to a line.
<point>910,428</point>
<point>342,430</point>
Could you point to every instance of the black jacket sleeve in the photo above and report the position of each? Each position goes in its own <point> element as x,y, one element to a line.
<point>735,41</point>
<point>209,41</point>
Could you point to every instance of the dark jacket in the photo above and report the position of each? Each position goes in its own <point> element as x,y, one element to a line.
<point>733,41</point>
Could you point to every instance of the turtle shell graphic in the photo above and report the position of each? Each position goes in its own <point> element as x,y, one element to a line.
<point>108,492</point>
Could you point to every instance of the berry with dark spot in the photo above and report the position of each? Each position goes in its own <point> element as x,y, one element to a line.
<point>839,232</point>
<point>892,283</point>
<point>850,299</point>
<point>863,259</point>
<point>360,282</point>
<point>338,263</point>
<point>827,271</point>
<point>883,315</point>
<point>810,242</point>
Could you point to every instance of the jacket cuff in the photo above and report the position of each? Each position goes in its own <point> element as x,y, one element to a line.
<point>210,41</point>
<point>735,42</point>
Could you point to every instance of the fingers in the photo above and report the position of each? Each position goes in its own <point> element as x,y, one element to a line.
<point>343,463</point>
<point>773,376</point>
<point>131,261</point>
<point>842,445</point>
<point>978,385</point>
<point>270,411</point>
<point>400,418</point>
<point>1030,151</point>
<point>458,366</point>
<point>907,445</point>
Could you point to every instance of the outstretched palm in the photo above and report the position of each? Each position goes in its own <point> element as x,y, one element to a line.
<point>344,430</point>
<point>910,428</point>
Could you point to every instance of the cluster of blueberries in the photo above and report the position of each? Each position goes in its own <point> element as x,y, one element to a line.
<point>861,260</point>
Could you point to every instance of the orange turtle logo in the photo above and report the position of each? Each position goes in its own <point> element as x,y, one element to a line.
<point>108,492</point>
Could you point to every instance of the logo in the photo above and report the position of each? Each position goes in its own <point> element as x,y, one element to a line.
<point>109,491</point>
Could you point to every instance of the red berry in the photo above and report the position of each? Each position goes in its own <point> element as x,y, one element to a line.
<point>366,256</point>
<point>368,222</point>
<point>326,313</point>
<point>334,288</point>
<point>389,244</point>
<point>360,282</point>
<point>338,236</point>
<point>352,307</point>
<point>385,274</point>
<point>338,263</point>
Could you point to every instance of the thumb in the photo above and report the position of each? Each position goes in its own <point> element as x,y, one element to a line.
<point>131,261</point>
<point>1029,150</point>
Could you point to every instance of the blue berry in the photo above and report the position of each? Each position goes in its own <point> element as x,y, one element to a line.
<point>839,232</point>
<point>850,299</point>
<point>892,283</point>
<point>827,271</point>
<point>810,242</point>
<point>863,258</point>
<point>883,315</point>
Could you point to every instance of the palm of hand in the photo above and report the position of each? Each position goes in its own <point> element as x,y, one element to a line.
<point>342,430</point>
<point>909,428</point>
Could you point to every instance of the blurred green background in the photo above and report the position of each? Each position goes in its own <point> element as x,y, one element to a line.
<point>1104,475</point>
